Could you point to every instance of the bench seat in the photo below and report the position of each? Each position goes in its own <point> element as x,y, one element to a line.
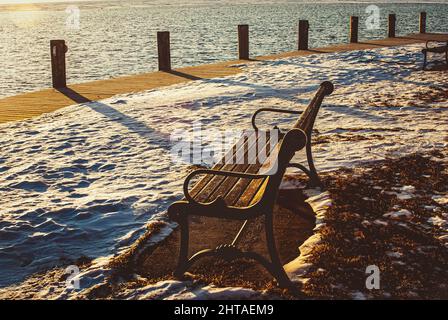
<point>235,191</point>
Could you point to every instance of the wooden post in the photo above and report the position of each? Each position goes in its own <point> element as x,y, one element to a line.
<point>243,42</point>
<point>422,22</point>
<point>163,48</point>
<point>58,67</point>
<point>392,25</point>
<point>354,29</point>
<point>303,35</point>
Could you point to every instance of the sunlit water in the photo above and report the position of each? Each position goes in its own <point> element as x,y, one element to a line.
<point>117,39</point>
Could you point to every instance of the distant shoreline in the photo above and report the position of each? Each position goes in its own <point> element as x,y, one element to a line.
<point>95,4</point>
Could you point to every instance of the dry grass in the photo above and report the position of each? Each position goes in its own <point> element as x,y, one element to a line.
<point>352,240</point>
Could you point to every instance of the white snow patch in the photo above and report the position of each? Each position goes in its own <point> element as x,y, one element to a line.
<point>437,221</point>
<point>405,192</point>
<point>441,199</point>
<point>394,254</point>
<point>298,268</point>
<point>186,290</point>
<point>358,295</point>
<point>366,223</point>
<point>291,181</point>
<point>380,222</point>
<point>320,203</point>
<point>408,189</point>
<point>403,213</point>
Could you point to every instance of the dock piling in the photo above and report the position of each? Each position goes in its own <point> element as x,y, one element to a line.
<point>422,22</point>
<point>392,25</point>
<point>354,29</point>
<point>58,50</point>
<point>243,42</point>
<point>303,35</point>
<point>164,52</point>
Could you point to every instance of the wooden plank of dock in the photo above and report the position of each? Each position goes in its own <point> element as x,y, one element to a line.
<point>35,103</point>
<point>32,104</point>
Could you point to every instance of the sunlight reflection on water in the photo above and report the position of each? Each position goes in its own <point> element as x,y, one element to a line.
<point>117,39</point>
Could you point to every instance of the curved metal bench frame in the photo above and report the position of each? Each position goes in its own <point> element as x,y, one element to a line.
<point>438,49</point>
<point>294,140</point>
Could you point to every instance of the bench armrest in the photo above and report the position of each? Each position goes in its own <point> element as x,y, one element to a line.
<point>219,173</point>
<point>435,41</point>
<point>254,116</point>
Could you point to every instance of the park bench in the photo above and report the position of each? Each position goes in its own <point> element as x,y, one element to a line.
<point>247,190</point>
<point>440,49</point>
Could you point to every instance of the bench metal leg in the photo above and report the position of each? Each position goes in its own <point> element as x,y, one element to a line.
<point>315,181</point>
<point>182,264</point>
<point>230,252</point>
<point>425,60</point>
<point>277,268</point>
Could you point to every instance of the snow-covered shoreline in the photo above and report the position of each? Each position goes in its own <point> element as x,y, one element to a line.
<point>85,180</point>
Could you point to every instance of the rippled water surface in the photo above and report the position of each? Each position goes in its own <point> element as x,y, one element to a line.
<point>117,38</point>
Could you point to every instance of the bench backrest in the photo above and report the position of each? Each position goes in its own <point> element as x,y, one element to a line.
<point>279,149</point>
<point>308,117</point>
<point>304,123</point>
<point>293,141</point>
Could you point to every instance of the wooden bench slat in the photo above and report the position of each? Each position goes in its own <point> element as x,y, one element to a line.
<point>257,196</point>
<point>220,165</point>
<point>252,189</point>
<point>229,182</point>
<point>242,185</point>
<point>215,181</point>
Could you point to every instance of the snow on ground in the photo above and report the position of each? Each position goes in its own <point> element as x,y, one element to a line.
<point>297,268</point>
<point>184,290</point>
<point>84,180</point>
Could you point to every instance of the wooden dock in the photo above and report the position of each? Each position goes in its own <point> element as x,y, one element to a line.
<point>32,104</point>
